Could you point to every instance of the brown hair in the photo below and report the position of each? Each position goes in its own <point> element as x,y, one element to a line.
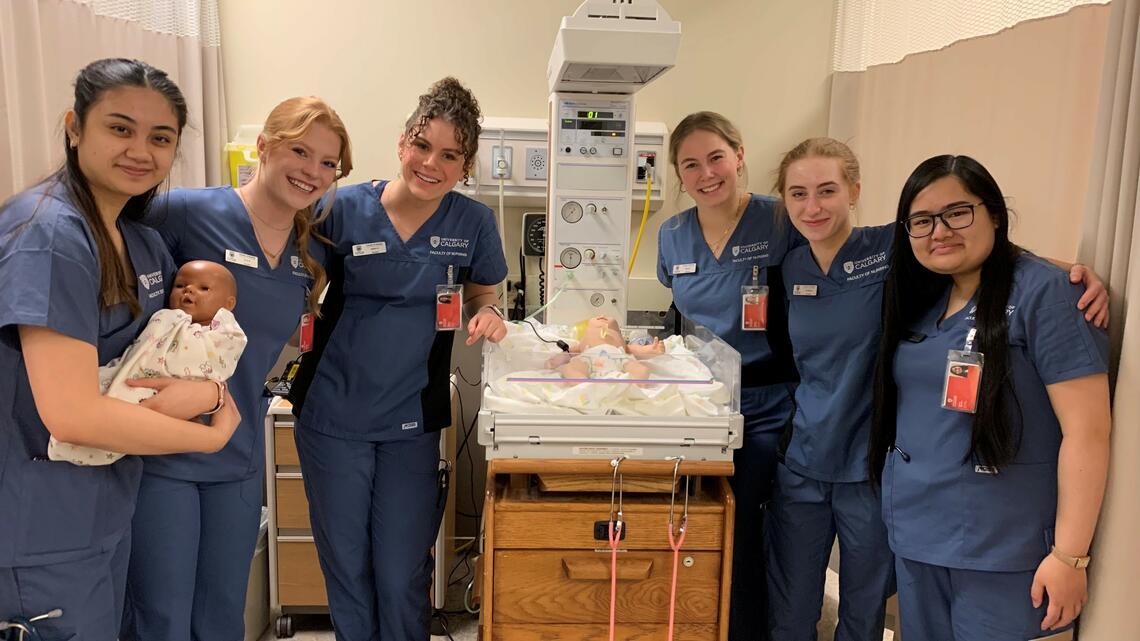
<point>703,121</point>
<point>818,148</point>
<point>116,284</point>
<point>290,120</point>
<point>450,100</point>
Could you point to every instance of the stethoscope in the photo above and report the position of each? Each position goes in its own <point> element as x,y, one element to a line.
<point>676,537</point>
<point>25,631</point>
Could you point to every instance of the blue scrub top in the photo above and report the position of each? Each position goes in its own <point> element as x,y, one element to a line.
<point>212,224</point>
<point>835,322</point>
<point>380,371</point>
<point>943,511</point>
<point>54,511</point>
<point>707,290</point>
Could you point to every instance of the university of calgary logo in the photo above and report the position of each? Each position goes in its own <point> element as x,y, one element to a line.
<point>849,267</point>
<point>435,241</point>
<point>736,250</point>
<point>295,261</point>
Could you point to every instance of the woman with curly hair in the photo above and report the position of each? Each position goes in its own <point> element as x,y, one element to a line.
<point>372,395</point>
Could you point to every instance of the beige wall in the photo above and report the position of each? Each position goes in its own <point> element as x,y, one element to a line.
<point>766,65</point>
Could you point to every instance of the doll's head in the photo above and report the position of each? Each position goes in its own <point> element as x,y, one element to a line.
<point>201,288</point>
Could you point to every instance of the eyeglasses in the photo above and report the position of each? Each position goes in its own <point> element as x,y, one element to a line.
<point>954,217</point>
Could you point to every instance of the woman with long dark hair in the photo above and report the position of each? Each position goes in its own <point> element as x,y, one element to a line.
<point>991,418</point>
<point>81,278</point>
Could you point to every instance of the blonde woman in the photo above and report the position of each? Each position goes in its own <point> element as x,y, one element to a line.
<point>197,519</point>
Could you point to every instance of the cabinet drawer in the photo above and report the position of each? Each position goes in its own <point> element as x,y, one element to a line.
<point>284,447</point>
<point>570,586</point>
<point>299,578</point>
<point>292,506</point>
<point>593,632</point>
<point>524,530</point>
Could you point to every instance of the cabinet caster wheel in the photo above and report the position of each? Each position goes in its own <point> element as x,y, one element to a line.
<point>283,628</point>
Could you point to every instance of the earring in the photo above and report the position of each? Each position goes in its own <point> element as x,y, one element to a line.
<point>740,171</point>
<point>682,189</point>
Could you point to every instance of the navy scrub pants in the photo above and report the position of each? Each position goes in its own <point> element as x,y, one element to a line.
<point>802,521</point>
<point>193,543</point>
<point>374,512</point>
<point>766,410</point>
<point>945,604</point>
<point>88,590</point>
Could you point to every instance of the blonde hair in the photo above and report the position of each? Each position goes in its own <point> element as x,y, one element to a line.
<point>818,148</point>
<point>290,120</point>
<point>703,121</point>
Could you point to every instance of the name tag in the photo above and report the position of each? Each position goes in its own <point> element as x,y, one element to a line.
<point>239,258</point>
<point>687,268</point>
<point>805,290</point>
<point>367,249</point>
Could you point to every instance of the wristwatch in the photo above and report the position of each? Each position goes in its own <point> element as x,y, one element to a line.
<point>1078,562</point>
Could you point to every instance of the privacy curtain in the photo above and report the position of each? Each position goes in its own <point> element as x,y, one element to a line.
<point>43,45</point>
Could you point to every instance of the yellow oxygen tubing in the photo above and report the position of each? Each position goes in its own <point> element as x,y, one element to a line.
<point>644,217</point>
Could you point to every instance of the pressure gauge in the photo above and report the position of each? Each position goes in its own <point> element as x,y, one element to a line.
<point>570,258</point>
<point>572,211</point>
<point>597,300</point>
<point>534,234</point>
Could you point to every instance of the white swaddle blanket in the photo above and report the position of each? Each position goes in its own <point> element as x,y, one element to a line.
<point>170,345</point>
<point>686,386</point>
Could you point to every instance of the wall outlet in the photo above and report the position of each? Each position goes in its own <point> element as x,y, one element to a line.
<point>536,163</point>
<point>501,161</point>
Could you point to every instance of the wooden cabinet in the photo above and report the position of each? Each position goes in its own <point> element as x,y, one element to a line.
<point>547,575</point>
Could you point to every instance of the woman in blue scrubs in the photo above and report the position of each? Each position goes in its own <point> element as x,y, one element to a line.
<point>82,277</point>
<point>196,525</point>
<point>707,254</point>
<point>991,420</point>
<point>377,379</point>
<point>835,286</point>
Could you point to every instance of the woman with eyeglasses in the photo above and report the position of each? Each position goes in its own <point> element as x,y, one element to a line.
<point>822,492</point>
<point>990,433</point>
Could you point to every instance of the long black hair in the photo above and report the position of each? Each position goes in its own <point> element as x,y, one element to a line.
<point>911,290</point>
<point>97,78</point>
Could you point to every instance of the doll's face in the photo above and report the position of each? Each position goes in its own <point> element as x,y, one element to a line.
<point>602,330</point>
<point>201,288</point>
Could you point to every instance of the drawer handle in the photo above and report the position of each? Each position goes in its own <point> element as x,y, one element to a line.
<point>599,569</point>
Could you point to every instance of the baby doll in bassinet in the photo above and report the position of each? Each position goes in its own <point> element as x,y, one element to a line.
<point>602,352</point>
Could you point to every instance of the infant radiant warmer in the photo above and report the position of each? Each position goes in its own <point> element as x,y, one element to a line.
<point>688,404</point>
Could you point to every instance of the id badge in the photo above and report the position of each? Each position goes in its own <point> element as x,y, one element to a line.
<point>754,308</point>
<point>448,307</point>
<point>963,381</point>
<point>306,334</point>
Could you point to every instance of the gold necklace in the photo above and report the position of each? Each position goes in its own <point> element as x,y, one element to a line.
<point>271,255</point>
<point>253,213</point>
<point>719,244</point>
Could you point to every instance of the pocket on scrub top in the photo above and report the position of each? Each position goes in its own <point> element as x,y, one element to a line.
<point>392,279</point>
<point>1008,513</point>
<point>58,504</point>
